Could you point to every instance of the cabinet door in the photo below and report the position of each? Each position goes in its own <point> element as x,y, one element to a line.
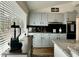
<point>37,40</point>
<point>32,19</point>
<point>53,36</point>
<point>62,36</point>
<point>71,16</point>
<point>60,17</point>
<point>45,40</point>
<point>44,20</point>
<point>37,19</point>
<point>51,17</point>
<point>56,17</point>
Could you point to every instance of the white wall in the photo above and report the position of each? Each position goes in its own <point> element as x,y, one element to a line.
<point>24,7</point>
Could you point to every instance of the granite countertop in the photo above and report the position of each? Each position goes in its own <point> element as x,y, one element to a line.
<point>64,44</point>
<point>74,48</point>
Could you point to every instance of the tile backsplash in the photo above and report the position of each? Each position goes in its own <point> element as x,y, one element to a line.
<point>51,28</point>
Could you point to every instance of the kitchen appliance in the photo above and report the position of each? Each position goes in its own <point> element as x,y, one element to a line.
<point>71,30</point>
<point>30,29</point>
<point>15,45</point>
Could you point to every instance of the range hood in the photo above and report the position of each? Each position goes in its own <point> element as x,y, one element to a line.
<point>55,23</point>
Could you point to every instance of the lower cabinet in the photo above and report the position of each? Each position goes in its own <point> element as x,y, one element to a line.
<point>42,40</point>
<point>58,52</point>
<point>37,40</point>
<point>45,39</point>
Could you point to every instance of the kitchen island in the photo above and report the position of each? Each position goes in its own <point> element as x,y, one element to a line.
<point>66,48</point>
<point>74,49</point>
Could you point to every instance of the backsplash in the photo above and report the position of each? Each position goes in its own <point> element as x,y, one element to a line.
<point>51,28</point>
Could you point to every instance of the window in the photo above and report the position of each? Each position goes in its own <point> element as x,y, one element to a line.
<point>10,11</point>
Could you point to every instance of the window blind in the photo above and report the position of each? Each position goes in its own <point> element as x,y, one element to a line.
<point>10,11</point>
<point>4,26</point>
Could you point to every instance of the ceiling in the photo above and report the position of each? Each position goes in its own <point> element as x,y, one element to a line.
<point>36,5</point>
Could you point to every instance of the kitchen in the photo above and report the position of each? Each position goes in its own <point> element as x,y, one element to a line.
<point>46,28</point>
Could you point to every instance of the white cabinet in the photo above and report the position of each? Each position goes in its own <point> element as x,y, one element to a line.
<point>38,19</point>
<point>51,17</point>
<point>71,16</point>
<point>42,40</point>
<point>31,22</point>
<point>45,40</point>
<point>60,17</point>
<point>44,19</point>
<point>37,40</point>
<point>53,36</point>
<point>55,17</point>
<point>58,52</point>
<point>34,19</point>
<point>63,36</point>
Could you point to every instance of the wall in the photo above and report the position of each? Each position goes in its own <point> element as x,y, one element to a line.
<point>24,7</point>
<point>77,28</point>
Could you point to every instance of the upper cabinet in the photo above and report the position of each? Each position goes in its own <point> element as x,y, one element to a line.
<point>70,16</point>
<point>51,17</point>
<point>38,19</point>
<point>55,17</point>
<point>34,18</point>
<point>42,19</point>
